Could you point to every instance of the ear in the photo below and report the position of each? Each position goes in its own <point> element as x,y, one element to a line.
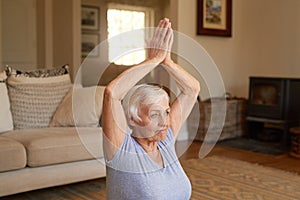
<point>132,122</point>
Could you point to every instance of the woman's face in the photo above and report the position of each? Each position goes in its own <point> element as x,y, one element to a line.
<point>155,121</point>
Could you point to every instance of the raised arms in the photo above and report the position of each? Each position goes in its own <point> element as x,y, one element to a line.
<point>159,47</point>
<point>114,120</point>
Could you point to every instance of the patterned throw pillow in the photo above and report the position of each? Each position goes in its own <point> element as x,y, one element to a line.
<point>35,95</point>
<point>6,123</point>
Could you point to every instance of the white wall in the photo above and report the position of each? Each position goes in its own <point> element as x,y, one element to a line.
<point>265,41</point>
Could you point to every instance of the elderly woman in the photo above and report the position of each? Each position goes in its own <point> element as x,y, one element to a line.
<point>141,161</point>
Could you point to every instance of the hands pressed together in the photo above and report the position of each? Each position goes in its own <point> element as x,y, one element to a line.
<point>159,46</point>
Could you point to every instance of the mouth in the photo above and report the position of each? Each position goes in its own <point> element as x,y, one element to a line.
<point>162,130</point>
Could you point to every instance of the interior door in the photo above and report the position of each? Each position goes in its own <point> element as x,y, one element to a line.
<point>18,33</point>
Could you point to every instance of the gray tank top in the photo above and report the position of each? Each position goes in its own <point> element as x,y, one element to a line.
<point>131,174</point>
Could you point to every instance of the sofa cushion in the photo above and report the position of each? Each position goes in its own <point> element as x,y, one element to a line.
<point>12,154</point>
<point>81,107</point>
<point>35,95</point>
<point>6,123</point>
<point>46,146</point>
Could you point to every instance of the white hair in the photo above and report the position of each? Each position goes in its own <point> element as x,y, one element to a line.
<point>141,94</point>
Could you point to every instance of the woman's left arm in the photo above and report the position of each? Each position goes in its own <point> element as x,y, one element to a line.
<point>189,90</point>
<point>189,87</point>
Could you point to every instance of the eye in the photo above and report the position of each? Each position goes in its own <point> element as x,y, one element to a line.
<point>167,112</point>
<point>154,115</point>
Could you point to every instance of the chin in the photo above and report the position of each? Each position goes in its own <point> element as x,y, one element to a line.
<point>162,136</point>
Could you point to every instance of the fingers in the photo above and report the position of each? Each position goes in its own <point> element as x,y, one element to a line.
<point>162,28</point>
<point>169,38</point>
<point>162,32</point>
<point>169,45</point>
<point>163,23</point>
<point>160,43</point>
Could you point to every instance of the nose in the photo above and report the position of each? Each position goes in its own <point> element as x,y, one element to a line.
<point>162,120</point>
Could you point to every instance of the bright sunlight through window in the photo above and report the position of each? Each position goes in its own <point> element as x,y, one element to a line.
<point>120,21</point>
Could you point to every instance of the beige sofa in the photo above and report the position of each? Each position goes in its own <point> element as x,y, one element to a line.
<point>48,144</point>
<point>38,158</point>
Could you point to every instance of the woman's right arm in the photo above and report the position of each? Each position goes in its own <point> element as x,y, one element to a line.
<point>114,122</point>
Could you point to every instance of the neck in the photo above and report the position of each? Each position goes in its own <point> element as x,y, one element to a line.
<point>148,146</point>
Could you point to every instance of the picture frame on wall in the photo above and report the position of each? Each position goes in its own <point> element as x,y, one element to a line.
<point>214,17</point>
<point>88,43</point>
<point>89,18</point>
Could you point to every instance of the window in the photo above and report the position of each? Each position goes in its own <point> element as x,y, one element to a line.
<point>121,19</point>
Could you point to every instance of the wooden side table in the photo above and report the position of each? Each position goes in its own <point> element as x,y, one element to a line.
<point>295,142</point>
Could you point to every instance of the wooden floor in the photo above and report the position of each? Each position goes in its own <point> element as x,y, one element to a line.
<point>283,161</point>
<point>91,190</point>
